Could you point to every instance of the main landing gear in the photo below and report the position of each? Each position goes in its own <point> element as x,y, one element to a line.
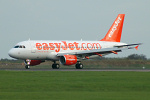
<point>55,65</point>
<point>79,65</point>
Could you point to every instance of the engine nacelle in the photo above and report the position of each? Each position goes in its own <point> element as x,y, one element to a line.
<point>68,59</point>
<point>33,62</point>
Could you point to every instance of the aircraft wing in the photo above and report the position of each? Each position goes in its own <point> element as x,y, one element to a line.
<point>103,51</point>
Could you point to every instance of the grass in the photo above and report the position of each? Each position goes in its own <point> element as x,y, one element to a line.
<point>74,85</point>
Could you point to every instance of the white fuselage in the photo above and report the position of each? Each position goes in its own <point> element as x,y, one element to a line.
<point>48,50</point>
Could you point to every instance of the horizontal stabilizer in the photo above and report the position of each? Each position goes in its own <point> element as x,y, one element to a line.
<point>128,45</point>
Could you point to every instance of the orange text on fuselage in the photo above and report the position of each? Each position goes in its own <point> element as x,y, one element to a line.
<point>67,46</point>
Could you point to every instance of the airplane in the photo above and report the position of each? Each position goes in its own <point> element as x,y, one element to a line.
<point>34,52</point>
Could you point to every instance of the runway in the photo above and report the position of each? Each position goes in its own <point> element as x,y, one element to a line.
<point>65,69</point>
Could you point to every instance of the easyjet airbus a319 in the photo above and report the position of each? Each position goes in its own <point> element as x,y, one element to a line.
<point>34,52</point>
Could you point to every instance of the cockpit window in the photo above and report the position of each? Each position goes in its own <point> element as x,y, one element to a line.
<point>16,46</point>
<point>19,46</point>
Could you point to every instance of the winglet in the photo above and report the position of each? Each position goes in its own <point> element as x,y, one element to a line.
<point>136,47</point>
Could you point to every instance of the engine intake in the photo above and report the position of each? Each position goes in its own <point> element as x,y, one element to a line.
<point>68,59</point>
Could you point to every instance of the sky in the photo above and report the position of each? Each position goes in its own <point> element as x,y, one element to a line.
<point>73,20</point>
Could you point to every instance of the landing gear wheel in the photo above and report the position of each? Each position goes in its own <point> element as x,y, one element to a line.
<point>27,67</point>
<point>55,66</point>
<point>79,66</point>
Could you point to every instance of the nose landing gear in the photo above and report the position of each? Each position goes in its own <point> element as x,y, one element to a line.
<point>27,63</point>
<point>27,67</point>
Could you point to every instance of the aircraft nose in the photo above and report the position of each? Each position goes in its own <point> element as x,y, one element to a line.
<point>12,53</point>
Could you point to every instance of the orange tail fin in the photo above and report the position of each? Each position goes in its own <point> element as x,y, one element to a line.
<point>115,31</point>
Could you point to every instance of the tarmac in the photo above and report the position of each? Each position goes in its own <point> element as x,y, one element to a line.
<point>65,69</point>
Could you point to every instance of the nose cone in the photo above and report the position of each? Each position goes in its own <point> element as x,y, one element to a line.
<point>12,53</point>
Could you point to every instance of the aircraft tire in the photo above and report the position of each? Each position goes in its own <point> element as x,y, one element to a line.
<point>55,66</point>
<point>27,67</point>
<point>79,66</point>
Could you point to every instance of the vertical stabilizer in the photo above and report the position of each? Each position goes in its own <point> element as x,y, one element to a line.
<point>115,31</point>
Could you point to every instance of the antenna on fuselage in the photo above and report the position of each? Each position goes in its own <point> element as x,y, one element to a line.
<point>81,39</point>
<point>29,39</point>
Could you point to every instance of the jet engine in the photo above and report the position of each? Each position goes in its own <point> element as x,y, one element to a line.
<point>68,59</point>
